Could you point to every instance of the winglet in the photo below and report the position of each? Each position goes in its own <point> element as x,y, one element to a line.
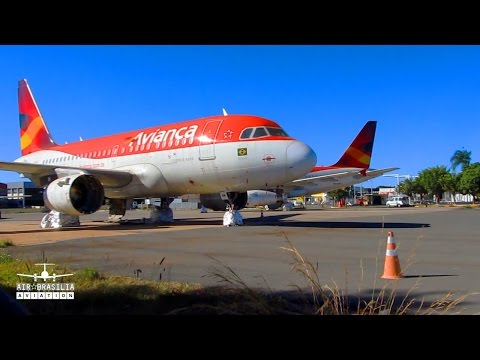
<point>224,112</point>
<point>359,153</point>
<point>34,134</point>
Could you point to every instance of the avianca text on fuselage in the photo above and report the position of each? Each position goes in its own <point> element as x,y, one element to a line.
<point>172,136</point>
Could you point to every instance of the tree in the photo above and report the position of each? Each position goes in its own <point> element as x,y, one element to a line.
<point>338,194</point>
<point>451,182</point>
<point>460,157</point>
<point>431,180</point>
<point>470,180</point>
<point>411,187</point>
<point>407,187</point>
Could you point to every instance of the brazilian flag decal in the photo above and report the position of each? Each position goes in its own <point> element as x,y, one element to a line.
<point>242,151</point>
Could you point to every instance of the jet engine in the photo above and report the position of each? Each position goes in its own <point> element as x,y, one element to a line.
<point>269,199</point>
<point>74,195</point>
<point>215,202</point>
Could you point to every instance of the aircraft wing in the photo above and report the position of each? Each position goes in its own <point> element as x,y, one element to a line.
<point>370,174</point>
<point>108,178</point>
<point>60,275</point>
<point>27,275</point>
<point>340,174</point>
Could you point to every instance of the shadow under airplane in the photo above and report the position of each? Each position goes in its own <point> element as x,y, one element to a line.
<point>276,220</point>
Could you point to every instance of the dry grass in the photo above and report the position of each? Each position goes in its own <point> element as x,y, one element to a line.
<point>329,299</point>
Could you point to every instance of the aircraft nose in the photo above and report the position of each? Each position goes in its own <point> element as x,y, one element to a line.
<point>300,159</point>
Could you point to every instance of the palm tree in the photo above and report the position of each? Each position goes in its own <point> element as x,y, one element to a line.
<point>460,157</point>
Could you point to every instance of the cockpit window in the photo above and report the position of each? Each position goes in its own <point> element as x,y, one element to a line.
<point>246,133</point>
<point>260,132</point>
<point>257,132</point>
<point>277,132</point>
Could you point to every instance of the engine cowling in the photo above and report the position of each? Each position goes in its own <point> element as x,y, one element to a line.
<point>215,202</point>
<point>74,195</point>
<point>262,198</point>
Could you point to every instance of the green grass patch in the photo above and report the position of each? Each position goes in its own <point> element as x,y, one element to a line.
<point>99,294</point>
<point>5,243</point>
<point>88,274</point>
<point>5,257</point>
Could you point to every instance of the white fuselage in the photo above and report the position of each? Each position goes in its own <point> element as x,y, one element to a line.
<point>195,169</point>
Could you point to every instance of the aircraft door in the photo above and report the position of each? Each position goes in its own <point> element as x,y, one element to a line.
<point>114,153</point>
<point>207,140</point>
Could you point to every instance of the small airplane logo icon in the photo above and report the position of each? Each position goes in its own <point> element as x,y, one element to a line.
<point>44,274</point>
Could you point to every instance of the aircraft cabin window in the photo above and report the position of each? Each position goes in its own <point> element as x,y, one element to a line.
<point>109,152</point>
<point>246,133</point>
<point>104,152</point>
<point>260,132</point>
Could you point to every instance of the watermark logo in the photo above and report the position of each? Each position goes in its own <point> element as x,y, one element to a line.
<point>45,290</point>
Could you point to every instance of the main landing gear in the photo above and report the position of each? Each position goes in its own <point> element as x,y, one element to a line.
<point>56,220</point>
<point>235,201</point>
<point>162,213</point>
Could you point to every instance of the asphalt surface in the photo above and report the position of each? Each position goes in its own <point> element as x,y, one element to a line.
<point>438,248</point>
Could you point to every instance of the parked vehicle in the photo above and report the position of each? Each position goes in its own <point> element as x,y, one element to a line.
<point>398,201</point>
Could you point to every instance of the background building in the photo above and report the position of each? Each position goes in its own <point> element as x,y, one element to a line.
<point>3,195</point>
<point>23,194</point>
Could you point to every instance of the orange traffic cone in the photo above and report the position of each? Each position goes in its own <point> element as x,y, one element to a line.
<point>392,264</point>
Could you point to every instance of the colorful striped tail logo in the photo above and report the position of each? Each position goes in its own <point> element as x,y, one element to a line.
<point>34,135</point>
<point>359,152</point>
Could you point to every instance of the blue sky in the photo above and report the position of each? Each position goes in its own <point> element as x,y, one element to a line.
<point>426,99</point>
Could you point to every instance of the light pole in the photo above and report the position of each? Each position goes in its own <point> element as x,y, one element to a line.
<point>398,176</point>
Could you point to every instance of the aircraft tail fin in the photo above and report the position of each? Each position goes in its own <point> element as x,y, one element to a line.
<point>359,153</point>
<point>34,134</point>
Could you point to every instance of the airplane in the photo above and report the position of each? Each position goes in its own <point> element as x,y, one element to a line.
<point>225,154</point>
<point>352,168</point>
<point>44,274</point>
